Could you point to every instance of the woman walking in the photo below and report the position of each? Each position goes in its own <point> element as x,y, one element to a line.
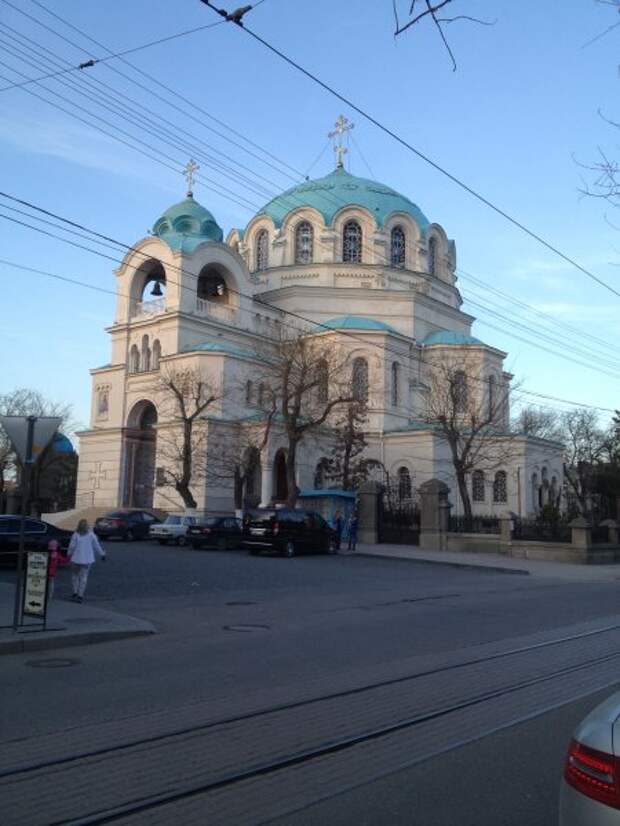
<point>82,549</point>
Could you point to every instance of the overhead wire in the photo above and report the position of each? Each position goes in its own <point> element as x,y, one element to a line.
<point>418,153</point>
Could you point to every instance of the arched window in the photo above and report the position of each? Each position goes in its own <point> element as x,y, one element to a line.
<point>360,380</point>
<point>352,242</point>
<point>249,394</point>
<point>459,392</point>
<point>397,247</point>
<point>477,486</point>
<point>304,237</point>
<point>491,398</point>
<point>395,378</point>
<point>432,255</point>
<point>322,379</point>
<point>262,250</point>
<point>156,354</point>
<point>134,359</point>
<point>500,492</point>
<point>145,364</point>
<point>212,286</point>
<point>404,484</point>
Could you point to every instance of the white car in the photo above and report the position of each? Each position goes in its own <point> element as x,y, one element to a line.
<point>590,792</point>
<point>173,529</point>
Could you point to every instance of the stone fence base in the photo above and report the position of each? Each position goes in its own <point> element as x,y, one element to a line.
<point>545,551</point>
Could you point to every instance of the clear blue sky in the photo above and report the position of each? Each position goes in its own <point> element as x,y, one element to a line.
<point>511,122</point>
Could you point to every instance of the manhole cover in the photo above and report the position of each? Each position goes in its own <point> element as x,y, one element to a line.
<point>57,662</point>
<point>240,603</point>
<point>246,628</point>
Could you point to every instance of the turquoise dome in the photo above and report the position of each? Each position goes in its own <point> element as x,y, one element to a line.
<point>339,189</point>
<point>219,347</point>
<point>186,225</point>
<point>354,322</point>
<point>450,337</point>
<point>61,444</point>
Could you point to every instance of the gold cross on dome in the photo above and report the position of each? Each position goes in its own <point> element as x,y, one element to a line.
<point>188,171</point>
<point>342,125</point>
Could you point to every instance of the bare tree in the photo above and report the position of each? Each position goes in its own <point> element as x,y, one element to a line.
<point>586,445</point>
<point>468,415</point>
<point>186,396</point>
<point>347,464</point>
<point>306,377</point>
<point>429,9</point>
<point>539,422</point>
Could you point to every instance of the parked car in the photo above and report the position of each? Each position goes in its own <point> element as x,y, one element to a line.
<point>287,532</point>
<point>173,529</point>
<point>590,791</point>
<point>221,532</point>
<point>125,524</point>
<point>36,536</point>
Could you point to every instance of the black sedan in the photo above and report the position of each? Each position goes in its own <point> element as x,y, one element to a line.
<point>37,534</point>
<point>126,524</point>
<point>221,532</point>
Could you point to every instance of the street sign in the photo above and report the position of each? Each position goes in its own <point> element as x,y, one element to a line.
<point>35,589</point>
<point>17,430</point>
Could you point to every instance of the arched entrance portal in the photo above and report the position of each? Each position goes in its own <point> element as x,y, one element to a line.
<point>140,448</point>
<point>280,486</point>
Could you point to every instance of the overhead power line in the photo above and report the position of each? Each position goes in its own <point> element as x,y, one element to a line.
<point>395,136</point>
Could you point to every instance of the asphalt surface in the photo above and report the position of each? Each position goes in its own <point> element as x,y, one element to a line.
<point>237,632</point>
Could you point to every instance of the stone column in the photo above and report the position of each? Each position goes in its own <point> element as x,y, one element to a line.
<point>266,484</point>
<point>506,526</point>
<point>368,512</point>
<point>434,515</point>
<point>581,538</point>
<point>612,530</point>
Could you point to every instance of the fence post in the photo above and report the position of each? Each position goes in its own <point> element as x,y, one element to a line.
<point>612,530</point>
<point>581,534</point>
<point>434,515</point>
<point>368,512</point>
<point>506,527</point>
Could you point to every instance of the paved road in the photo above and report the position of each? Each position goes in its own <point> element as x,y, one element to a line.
<point>240,634</point>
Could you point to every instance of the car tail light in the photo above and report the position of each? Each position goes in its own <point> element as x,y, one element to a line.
<point>206,530</point>
<point>276,528</point>
<point>593,773</point>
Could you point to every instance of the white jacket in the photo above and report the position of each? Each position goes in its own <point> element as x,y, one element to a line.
<point>83,547</point>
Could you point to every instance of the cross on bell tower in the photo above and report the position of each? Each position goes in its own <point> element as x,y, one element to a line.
<point>343,125</point>
<point>188,171</point>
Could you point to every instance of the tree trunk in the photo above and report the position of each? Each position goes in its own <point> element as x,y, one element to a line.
<point>291,481</point>
<point>238,483</point>
<point>464,492</point>
<point>186,495</point>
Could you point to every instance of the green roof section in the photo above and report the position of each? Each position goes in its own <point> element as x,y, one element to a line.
<point>340,189</point>
<point>356,322</point>
<point>451,338</point>
<point>186,225</point>
<point>221,348</point>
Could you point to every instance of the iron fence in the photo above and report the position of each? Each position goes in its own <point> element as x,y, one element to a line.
<point>474,524</point>
<point>537,531</point>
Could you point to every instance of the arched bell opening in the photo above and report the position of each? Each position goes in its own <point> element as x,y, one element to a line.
<point>140,449</point>
<point>212,285</point>
<point>153,282</point>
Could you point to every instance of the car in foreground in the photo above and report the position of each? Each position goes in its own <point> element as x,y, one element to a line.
<point>125,524</point>
<point>221,532</point>
<point>590,788</point>
<point>37,534</point>
<point>172,530</point>
<point>287,532</point>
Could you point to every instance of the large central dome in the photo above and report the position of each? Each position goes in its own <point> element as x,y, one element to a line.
<point>339,189</point>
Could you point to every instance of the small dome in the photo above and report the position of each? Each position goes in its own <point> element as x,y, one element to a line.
<point>340,189</point>
<point>187,224</point>
<point>450,337</point>
<point>354,322</point>
<point>220,347</point>
<point>61,444</point>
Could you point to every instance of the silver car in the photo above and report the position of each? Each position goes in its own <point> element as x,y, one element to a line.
<point>590,791</point>
<point>173,529</point>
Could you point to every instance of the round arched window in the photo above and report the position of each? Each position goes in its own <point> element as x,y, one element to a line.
<point>304,240</point>
<point>352,242</point>
<point>397,247</point>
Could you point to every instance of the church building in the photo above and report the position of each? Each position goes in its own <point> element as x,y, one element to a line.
<point>363,267</point>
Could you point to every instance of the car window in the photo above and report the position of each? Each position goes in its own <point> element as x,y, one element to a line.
<point>318,520</point>
<point>9,525</point>
<point>33,526</point>
<point>188,520</point>
<point>136,517</point>
<point>115,515</point>
<point>231,523</point>
<point>149,518</point>
<point>172,520</point>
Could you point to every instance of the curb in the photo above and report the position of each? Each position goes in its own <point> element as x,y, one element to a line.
<point>472,566</point>
<point>31,643</point>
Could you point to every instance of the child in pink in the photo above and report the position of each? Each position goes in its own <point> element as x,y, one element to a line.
<point>56,559</point>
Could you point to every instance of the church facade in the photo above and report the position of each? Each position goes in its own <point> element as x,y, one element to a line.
<point>360,265</point>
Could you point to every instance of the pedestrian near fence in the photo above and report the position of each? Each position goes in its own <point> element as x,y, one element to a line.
<point>83,547</point>
<point>56,558</point>
<point>353,532</point>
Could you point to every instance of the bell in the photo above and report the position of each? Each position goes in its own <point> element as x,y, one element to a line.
<point>156,291</point>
